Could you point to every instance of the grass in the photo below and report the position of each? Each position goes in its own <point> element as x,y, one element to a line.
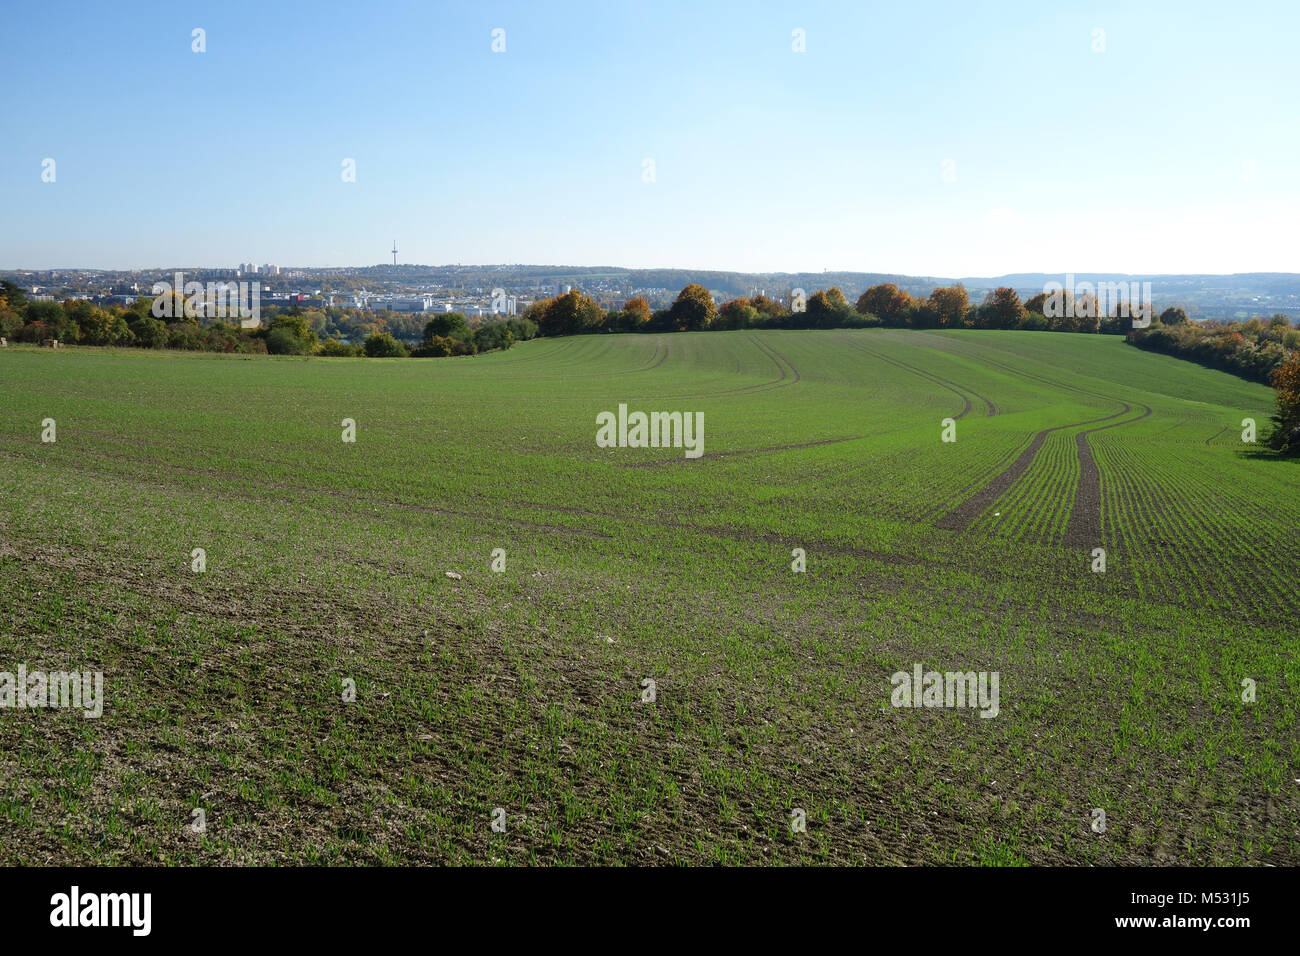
<point>523,690</point>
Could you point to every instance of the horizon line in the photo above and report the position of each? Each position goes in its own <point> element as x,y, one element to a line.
<point>497,265</point>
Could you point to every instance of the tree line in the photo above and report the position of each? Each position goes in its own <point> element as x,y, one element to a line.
<point>289,331</point>
<point>1253,349</point>
<point>881,305</point>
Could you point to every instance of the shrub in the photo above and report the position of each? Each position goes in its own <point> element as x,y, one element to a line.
<point>333,348</point>
<point>437,347</point>
<point>183,335</point>
<point>149,333</point>
<point>10,323</point>
<point>496,335</point>
<point>383,345</point>
<point>283,341</point>
<point>448,325</point>
<point>522,329</point>
<point>34,332</point>
<point>290,335</point>
<point>55,320</point>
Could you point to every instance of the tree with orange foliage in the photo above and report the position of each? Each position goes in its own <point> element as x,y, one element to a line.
<point>693,309</point>
<point>1286,423</point>
<point>951,303</point>
<point>636,312</point>
<point>769,307</point>
<point>887,302</point>
<point>736,314</point>
<point>1002,309</point>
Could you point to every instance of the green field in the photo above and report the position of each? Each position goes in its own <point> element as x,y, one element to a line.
<point>522,690</point>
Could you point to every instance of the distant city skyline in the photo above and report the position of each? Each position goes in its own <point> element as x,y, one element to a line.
<point>947,141</point>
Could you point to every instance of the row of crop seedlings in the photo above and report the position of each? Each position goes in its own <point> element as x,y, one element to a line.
<point>1245,550</point>
<point>1012,388</point>
<point>1173,534</point>
<point>540,350</point>
<point>1141,536</point>
<point>582,353</point>
<point>994,452</point>
<point>701,353</point>
<point>1036,508</point>
<point>1242,521</point>
<point>945,485</point>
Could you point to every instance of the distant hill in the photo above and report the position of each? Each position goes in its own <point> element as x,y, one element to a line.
<point>1240,295</point>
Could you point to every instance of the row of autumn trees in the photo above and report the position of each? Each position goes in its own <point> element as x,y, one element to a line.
<point>286,332</point>
<point>881,305</point>
<point>1254,349</point>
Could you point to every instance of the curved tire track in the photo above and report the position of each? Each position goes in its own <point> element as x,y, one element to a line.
<point>1084,526</point>
<point>779,360</point>
<point>746,451</point>
<point>656,359</point>
<point>992,408</point>
<point>955,387</point>
<point>1079,529</point>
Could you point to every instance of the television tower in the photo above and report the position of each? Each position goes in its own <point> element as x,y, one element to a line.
<point>394,253</point>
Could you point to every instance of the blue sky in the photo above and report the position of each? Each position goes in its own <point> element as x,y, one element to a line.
<point>1177,149</point>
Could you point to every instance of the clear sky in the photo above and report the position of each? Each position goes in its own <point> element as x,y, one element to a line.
<point>1177,149</point>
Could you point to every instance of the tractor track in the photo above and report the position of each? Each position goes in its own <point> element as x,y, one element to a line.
<point>1084,525</point>
<point>655,360</point>
<point>746,451</point>
<point>955,387</point>
<point>990,405</point>
<point>781,363</point>
<point>1079,529</point>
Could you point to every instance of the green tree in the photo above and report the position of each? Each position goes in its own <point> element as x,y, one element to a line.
<point>447,325</point>
<point>13,295</point>
<point>149,333</point>
<point>291,334</point>
<point>102,327</point>
<point>1002,310</point>
<point>54,321</point>
<point>522,328</point>
<point>494,335</point>
<point>736,314</point>
<point>383,345</point>
<point>827,309</point>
